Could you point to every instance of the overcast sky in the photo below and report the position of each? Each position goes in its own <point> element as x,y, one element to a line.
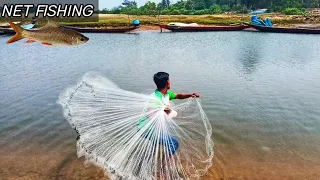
<point>113,3</point>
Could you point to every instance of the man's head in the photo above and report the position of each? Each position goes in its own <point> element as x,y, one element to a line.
<point>162,80</point>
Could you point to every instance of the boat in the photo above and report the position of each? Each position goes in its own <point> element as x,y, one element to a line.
<point>259,11</point>
<point>101,30</point>
<point>7,25</point>
<point>28,26</point>
<point>10,31</point>
<point>284,30</point>
<point>5,31</point>
<point>135,25</point>
<point>182,27</point>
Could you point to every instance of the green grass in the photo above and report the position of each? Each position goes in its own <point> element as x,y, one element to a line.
<point>204,19</point>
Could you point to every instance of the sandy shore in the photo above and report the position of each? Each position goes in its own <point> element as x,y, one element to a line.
<point>36,163</point>
<point>148,28</point>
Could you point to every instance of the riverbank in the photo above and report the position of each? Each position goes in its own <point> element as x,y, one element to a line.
<point>120,20</point>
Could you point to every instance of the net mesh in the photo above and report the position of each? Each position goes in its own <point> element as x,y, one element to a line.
<point>131,136</point>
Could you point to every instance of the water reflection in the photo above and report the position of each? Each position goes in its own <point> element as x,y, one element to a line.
<point>250,58</point>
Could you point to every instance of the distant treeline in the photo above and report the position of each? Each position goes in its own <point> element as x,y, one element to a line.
<point>199,7</point>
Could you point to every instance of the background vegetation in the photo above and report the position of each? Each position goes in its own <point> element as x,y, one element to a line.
<point>206,12</point>
<point>201,7</point>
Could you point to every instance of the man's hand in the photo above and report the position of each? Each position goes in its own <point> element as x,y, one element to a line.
<point>167,108</point>
<point>185,96</point>
<point>195,95</point>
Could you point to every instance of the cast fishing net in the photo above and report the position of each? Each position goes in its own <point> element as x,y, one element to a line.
<point>131,136</point>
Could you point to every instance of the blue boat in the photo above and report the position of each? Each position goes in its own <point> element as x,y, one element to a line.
<point>10,31</point>
<point>284,30</point>
<point>28,26</point>
<point>259,11</point>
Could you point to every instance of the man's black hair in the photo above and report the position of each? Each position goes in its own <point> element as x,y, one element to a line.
<point>161,79</point>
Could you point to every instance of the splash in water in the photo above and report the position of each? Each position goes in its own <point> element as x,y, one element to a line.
<point>134,136</point>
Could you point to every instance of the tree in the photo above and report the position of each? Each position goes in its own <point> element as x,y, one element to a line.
<point>225,8</point>
<point>293,4</point>
<point>237,8</point>
<point>168,3</point>
<point>128,3</point>
<point>208,3</point>
<point>215,9</point>
<point>199,4</point>
<point>316,3</point>
<point>132,10</point>
<point>216,6</point>
<point>179,5</point>
<point>150,8</point>
<point>189,5</point>
<point>159,7</point>
<point>165,3</point>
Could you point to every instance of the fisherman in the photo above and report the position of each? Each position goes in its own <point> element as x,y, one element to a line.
<point>162,81</point>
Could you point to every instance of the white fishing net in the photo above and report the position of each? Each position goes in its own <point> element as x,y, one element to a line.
<point>130,135</point>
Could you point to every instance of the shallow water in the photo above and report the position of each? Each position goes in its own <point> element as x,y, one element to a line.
<point>260,92</point>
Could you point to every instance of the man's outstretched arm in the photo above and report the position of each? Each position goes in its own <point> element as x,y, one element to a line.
<point>185,96</point>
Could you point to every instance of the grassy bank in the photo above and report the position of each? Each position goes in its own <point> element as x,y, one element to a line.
<point>222,19</point>
<point>117,20</point>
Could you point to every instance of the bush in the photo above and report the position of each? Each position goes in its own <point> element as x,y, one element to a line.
<point>176,12</point>
<point>165,12</point>
<point>215,9</point>
<point>192,12</point>
<point>238,8</point>
<point>184,11</point>
<point>294,11</point>
<point>201,12</point>
<point>225,8</point>
<point>276,9</point>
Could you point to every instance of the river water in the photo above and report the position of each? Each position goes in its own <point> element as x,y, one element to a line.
<point>260,91</point>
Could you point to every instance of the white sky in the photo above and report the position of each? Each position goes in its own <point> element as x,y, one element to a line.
<point>113,3</point>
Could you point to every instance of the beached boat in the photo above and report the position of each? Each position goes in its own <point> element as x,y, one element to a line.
<point>10,31</point>
<point>284,30</point>
<point>181,27</point>
<point>4,31</point>
<point>7,25</point>
<point>101,30</point>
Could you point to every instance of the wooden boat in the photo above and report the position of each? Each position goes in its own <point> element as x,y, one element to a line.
<point>5,31</point>
<point>180,27</point>
<point>285,30</point>
<point>101,30</point>
<point>7,25</point>
<point>10,31</point>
